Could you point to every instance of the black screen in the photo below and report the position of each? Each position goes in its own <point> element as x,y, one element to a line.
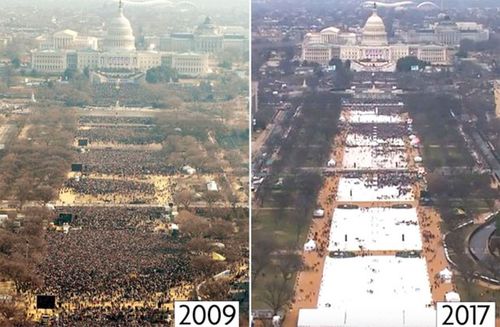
<point>83,142</point>
<point>76,167</point>
<point>45,302</point>
<point>64,218</point>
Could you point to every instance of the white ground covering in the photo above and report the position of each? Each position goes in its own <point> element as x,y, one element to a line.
<point>380,281</point>
<point>373,316</point>
<point>369,116</point>
<point>376,229</point>
<point>372,158</point>
<point>366,140</point>
<point>362,189</point>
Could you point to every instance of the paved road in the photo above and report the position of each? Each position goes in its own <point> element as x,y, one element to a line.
<point>478,243</point>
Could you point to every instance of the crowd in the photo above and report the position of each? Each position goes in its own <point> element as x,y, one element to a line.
<point>110,264</point>
<point>116,218</point>
<point>99,186</point>
<point>113,316</point>
<point>118,120</point>
<point>402,181</point>
<point>382,131</point>
<point>101,265</point>
<point>122,162</point>
<point>121,134</point>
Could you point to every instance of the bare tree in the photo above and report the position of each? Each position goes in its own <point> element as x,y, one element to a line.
<point>215,290</point>
<point>288,264</point>
<point>184,197</point>
<point>277,294</point>
<point>191,224</point>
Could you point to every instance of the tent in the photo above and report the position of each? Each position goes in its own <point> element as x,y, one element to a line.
<point>276,321</point>
<point>331,163</point>
<point>418,159</point>
<point>445,275</point>
<point>310,246</point>
<point>452,297</point>
<point>189,170</point>
<point>212,186</point>
<point>318,213</point>
<point>218,257</point>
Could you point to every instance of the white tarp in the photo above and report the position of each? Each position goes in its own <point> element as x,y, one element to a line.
<point>388,314</point>
<point>377,229</point>
<point>369,117</point>
<point>364,157</point>
<point>363,282</point>
<point>367,190</point>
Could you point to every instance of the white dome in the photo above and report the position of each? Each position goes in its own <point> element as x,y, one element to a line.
<point>120,35</point>
<point>374,31</point>
<point>331,29</point>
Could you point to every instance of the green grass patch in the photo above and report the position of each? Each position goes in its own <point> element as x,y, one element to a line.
<point>279,224</point>
<point>259,287</point>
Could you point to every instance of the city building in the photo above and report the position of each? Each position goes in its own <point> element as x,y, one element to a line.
<point>447,32</point>
<point>67,40</point>
<point>117,53</point>
<point>369,50</point>
<point>206,38</point>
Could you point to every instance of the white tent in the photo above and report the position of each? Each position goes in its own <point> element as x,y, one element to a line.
<point>189,170</point>
<point>212,186</point>
<point>452,297</point>
<point>331,163</point>
<point>418,159</point>
<point>318,213</point>
<point>445,275</point>
<point>310,246</point>
<point>276,321</point>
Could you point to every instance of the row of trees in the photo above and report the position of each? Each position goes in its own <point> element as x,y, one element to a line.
<point>34,168</point>
<point>22,249</point>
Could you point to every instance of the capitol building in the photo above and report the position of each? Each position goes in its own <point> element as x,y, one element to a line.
<point>116,52</point>
<point>370,50</point>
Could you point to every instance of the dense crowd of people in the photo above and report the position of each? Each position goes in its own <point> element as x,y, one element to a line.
<point>121,134</point>
<point>99,186</point>
<point>104,264</point>
<point>119,120</point>
<point>123,162</point>
<point>122,218</point>
<point>110,263</point>
<point>113,316</point>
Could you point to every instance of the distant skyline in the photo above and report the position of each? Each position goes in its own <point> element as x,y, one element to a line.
<point>83,3</point>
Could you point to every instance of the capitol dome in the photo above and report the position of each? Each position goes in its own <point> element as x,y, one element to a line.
<point>120,35</point>
<point>374,33</point>
<point>207,28</point>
